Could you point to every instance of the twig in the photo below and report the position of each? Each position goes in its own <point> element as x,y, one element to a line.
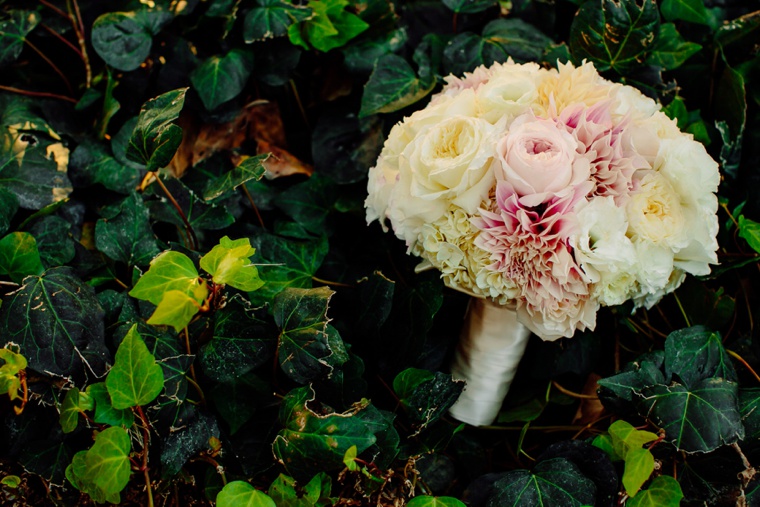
<point>194,379</point>
<point>38,94</point>
<point>300,105</point>
<point>146,442</point>
<point>62,39</point>
<point>745,363</point>
<point>573,394</point>
<point>54,8</point>
<point>328,282</point>
<point>188,227</point>
<point>52,65</point>
<point>253,205</point>
<point>79,29</point>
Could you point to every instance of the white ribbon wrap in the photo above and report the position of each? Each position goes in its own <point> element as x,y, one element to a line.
<point>490,348</point>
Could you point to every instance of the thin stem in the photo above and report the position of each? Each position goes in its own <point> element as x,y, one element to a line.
<point>146,442</point>
<point>573,394</point>
<point>62,39</point>
<point>253,205</point>
<point>52,65</point>
<point>38,94</point>
<point>328,282</point>
<point>188,227</point>
<point>683,312</point>
<point>25,397</point>
<point>79,29</point>
<point>194,379</point>
<point>196,387</point>
<point>589,425</point>
<point>54,8</point>
<point>745,363</point>
<point>300,105</point>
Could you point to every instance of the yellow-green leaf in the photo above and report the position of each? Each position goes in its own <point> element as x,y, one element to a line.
<point>136,378</point>
<point>229,263</point>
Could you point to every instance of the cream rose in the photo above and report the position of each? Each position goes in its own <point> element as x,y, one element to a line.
<point>654,212</point>
<point>510,92</point>
<point>538,160</point>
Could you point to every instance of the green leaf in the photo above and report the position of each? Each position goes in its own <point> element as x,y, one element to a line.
<point>426,396</point>
<point>54,241</point>
<point>58,322</point>
<point>645,371</point>
<point>249,168</point>
<point>13,363</point>
<point>155,138</point>
<point>695,354</point>
<point>294,263</point>
<point>170,271</point>
<point>663,492</point>
<point>107,462</point>
<point>127,236</point>
<point>135,379</point>
<point>639,465</point>
<point>13,32</point>
<point>271,18</point>
<point>553,482</point>
<point>750,231</point>
<point>242,341</point>
<point>330,27</point>
<point>749,408</point>
<point>360,57</point>
<point>732,94</point>
<point>343,146</point>
<point>220,79</point>
<point>181,444</point>
<point>315,493</point>
<point>737,30</point>
<point>309,203</point>
<point>176,309</point>
<point>93,163</point>
<point>303,348</point>
<point>242,494</point>
<point>229,263</point>
<point>11,481</point>
<point>604,442</point>
<point>238,400</point>
<point>19,257</point>
<point>124,39</point>
<point>200,214</point>
<point>105,413</point>
<point>500,40</point>
<point>696,419</point>
<point>469,6</point>
<point>435,501</point>
<point>393,85</point>
<point>47,458</point>
<point>8,208</point>
<point>626,438</point>
<point>614,34</point>
<point>312,442</point>
<point>74,403</point>
<point>670,50</point>
<point>686,10</point>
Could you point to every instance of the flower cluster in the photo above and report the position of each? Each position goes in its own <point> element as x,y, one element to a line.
<point>555,190</point>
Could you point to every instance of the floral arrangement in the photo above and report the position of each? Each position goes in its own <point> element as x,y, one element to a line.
<point>554,190</point>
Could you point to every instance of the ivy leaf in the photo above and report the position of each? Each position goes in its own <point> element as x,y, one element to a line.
<point>749,408</point>
<point>92,163</point>
<point>695,354</point>
<point>309,203</point>
<point>58,322</point>
<point>54,241</point>
<point>626,438</point>
<point>229,263</point>
<point>469,6</point>
<point>249,168</point>
<point>553,482</point>
<point>645,371</point>
<point>639,465</point>
<point>105,413</point>
<point>343,146</point>
<point>200,214</point>
<point>686,10</point>
<point>500,39</point>
<point>155,138</point>
<point>74,403</point>
<point>8,208</point>
<point>393,85</point>
<point>193,437</point>
<point>311,442</point>
<point>127,236</point>
<point>750,231</point>
<point>614,34</point>
<point>670,50</point>
<point>176,309</point>
<point>124,39</point>
<point>426,395</point>
<point>435,501</point>
<point>241,342</point>
<point>242,494</point>
<point>663,492</point>
<point>237,401</point>
<point>220,79</point>
<point>170,271</point>
<point>330,27</point>
<point>699,418</point>
<point>271,19</point>
<point>135,379</point>
<point>107,462</point>
<point>361,56</point>
<point>294,263</point>
<point>19,257</point>
<point>303,348</point>
<point>10,382</point>
<point>13,32</point>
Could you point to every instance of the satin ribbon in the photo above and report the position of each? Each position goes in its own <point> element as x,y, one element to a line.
<point>490,347</point>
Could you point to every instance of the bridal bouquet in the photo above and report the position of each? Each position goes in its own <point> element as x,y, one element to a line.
<point>551,192</point>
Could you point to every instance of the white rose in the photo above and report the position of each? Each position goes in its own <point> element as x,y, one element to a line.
<point>631,103</point>
<point>645,135</point>
<point>654,269</point>
<point>509,92</point>
<point>539,160</point>
<point>694,176</point>
<point>654,212</point>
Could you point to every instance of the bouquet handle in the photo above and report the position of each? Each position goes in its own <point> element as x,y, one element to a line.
<point>490,347</point>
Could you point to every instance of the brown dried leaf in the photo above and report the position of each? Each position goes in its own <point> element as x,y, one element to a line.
<point>282,163</point>
<point>589,410</point>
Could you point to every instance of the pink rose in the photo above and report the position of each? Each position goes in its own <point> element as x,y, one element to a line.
<point>539,160</point>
